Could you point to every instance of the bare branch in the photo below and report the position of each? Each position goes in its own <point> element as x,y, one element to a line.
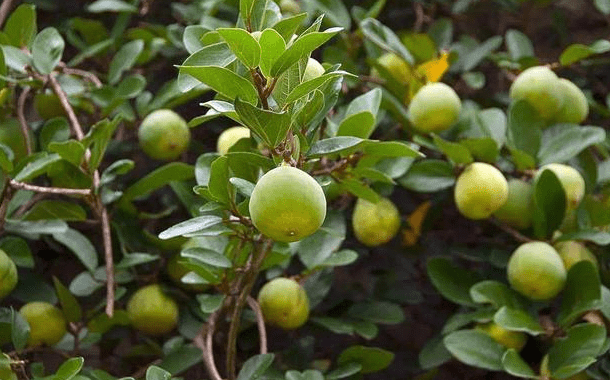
<point>25,130</point>
<point>49,190</point>
<point>109,259</point>
<point>82,73</point>
<point>511,231</point>
<point>6,199</point>
<point>63,98</point>
<point>5,9</point>
<point>260,323</point>
<point>205,345</point>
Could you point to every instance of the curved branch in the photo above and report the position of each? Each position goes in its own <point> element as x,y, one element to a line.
<point>49,190</point>
<point>260,323</point>
<point>205,345</point>
<point>25,130</point>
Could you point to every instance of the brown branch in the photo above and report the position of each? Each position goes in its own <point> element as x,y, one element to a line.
<point>6,199</point>
<point>49,190</point>
<point>25,130</point>
<point>109,259</point>
<point>82,73</point>
<point>5,9</point>
<point>511,231</point>
<point>63,98</point>
<point>260,322</point>
<point>205,345</point>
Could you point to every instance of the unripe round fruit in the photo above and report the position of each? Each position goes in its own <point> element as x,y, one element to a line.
<point>289,6</point>
<point>230,137</point>
<point>152,311</point>
<point>536,271</point>
<point>539,86</point>
<point>313,70</point>
<point>572,252</point>
<point>8,275</point>
<point>11,136</point>
<point>572,182</point>
<point>480,191</point>
<point>375,223</point>
<point>575,107</point>
<point>48,105</point>
<point>47,323</point>
<point>287,204</point>
<point>517,211</point>
<point>434,108</point>
<point>507,338</point>
<point>284,303</point>
<point>164,135</point>
<point>395,65</point>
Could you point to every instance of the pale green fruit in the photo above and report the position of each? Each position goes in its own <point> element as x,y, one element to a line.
<point>480,191</point>
<point>8,275</point>
<point>517,211</point>
<point>540,87</point>
<point>48,105</point>
<point>536,271</point>
<point>47,323</point>
<point>572,252</point>
<point>572,182</point>
<point>289,6</point>
<point>313,70</point>
<point>398,67</point>
<point>287,204</point>
<point>10,135</point>
<point>152,311</point>
<point>284,303</point>
<point>434,108</point>
<point>507,338</point>
<point>375,223</point>
<point>230,137</point>
<point>164,135</point>
<point>575,107</point>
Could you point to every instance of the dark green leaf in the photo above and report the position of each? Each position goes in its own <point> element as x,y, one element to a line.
<point>455,152</point>
<point>37,167</point>
<point>518,320</point>
<point>434,353</point>
<point>344,371</point>
<point>192,225</point>
<point>124,60</point>
<point>20,330</point>
<point>577,350</point>
<point>549,204</point>
<point>174,171</point>
<point>268,125</point>
<point>254,367</point>
<point>18,250</point>
<point>209,303</point>
<point>223,81</point>
<point>495,293</point>
<point>377,312</point>
<point>516,366</point>
<point>219,186</point>
<point>581,293</point>
<point>72,151</point>
<point>569,143</point>
<point>428,176</point>
<point>80,245</point>
<point>372,359</point>
<point>207,256</point>
<point>452,282</point>
<point>475,348</point>
<point>21,26</point>
<point>69,304</point>
<point>524,127</point>
<point>48,209</point>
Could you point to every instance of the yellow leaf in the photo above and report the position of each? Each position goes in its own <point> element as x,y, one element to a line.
<point>435,69</point>
<point>411,234</point>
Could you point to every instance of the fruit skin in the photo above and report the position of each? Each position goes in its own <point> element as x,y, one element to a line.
<point>230,137</point>
<point>572,182</point>
<point>536,271</point>
<point>480,191</point>
<point>313,70</point>
<point>284,303</point>
<point>434,108</point>
<point>517,211</point>
<point>540,87</point>
<point>164,135</point>
<point>507,338</point>
<point>572,252</point>
<point>47,323</point>
<point>48,105</point>
<point>287,204</point>
<point>152,311</point>
<point>10,135</point>
<point>8,275</point>
<point>375,223</point>
<point>289,6</point>
<point>395,65</point>
<point>575,108</point>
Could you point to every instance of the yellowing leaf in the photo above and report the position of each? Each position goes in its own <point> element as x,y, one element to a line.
<point>411,234</point>
<point>435,69</point>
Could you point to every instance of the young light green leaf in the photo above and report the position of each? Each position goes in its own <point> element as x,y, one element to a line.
<point>218,54</point>
<point>21,26</point>
<point>243,45</point>
<point>47,49</point>
<point>455,152</point>
<point>223,81</point>
<point>311,85</point>
<point>361,114</point>
<point>156,373</point>
<point>273,44</point>
<point>578,52</point>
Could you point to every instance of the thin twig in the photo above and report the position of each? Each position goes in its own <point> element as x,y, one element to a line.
<point>109,260</point>
<point>5,8</point>
<point>260,322</point>
<point>205,345</point>
<point>63,98</point>
<point>49,190</point>
<point>6,199</point>
<point>25,130</point>
<point>82,73</point>
<point>511,231</point>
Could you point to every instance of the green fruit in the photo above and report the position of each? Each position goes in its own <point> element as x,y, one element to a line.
<point>480,191</point>
<point>507,338</point>
<point>48,105</point>
<point>572,252</point>
<point>536,271</point>
<point>289,6</point>
<point>434,108</point>
<point>230,137</point>
<point>10,135</point>
<point>287,204</point>
<point>313,70</point>
<point>375,223</point>
<point>176,271</point>
<point>284,303</point>
<point>572,182</point>
<point>540,87</point>
<point>164,135</point>
<point>396,66</point>
<point>575,107</point>
<point>152,311</point>
<point>517,211</point>
<point>8,275</point>
<point>47,323</point>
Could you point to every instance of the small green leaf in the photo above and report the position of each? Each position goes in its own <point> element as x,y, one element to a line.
<point>434,353</point>
<point>217,54</point>
<point>156,373</point>
<point>311,85</point>
<point>244,46</point>
<point>209,303</point>
<point>20,330</point>
<point>455,152</point>
<point>524,127</point>
<point>47,49</point>
<point>333,145</point>
<point>428,176</point>
<point>377,312</point>
<point>344,371</point>
<point>518,45</point>
<point>80,245</point>
<point>372,359</point>
<point>100,6</point>
<point>115,169</point>
<point>581,293</point>
<point>452,282</point>
<point>189,226</point>
<point>174,171</point>
<point>340,258</point>
<point>219,186</point>
<point>317,248</point>
<point>361,114</point>
<point>208,257</point>
<point>48,209</point>
<point>131,86</point>
<point>243,186</point>
<point>385,38</point>
<point>21,26</point>
<point>273,44</point>
<point>254,367</point>
<point>223,81</point>
<point>69,304</point>
<point>18,250</point>
<point>495,293</point>
<point>38,166</point>
<point>567,144</point>
<point>516,366</point>
<point>518,320</point>
<point>549,204</point>
<point>124,60</point>
<point>577,350</point>
<point>475,348</point>
<point>289,25</point>
<point>72,151</point>
<point>268,125</point>
<point>578,52</point>
<point>69,369</point>
<point>594,236</point>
